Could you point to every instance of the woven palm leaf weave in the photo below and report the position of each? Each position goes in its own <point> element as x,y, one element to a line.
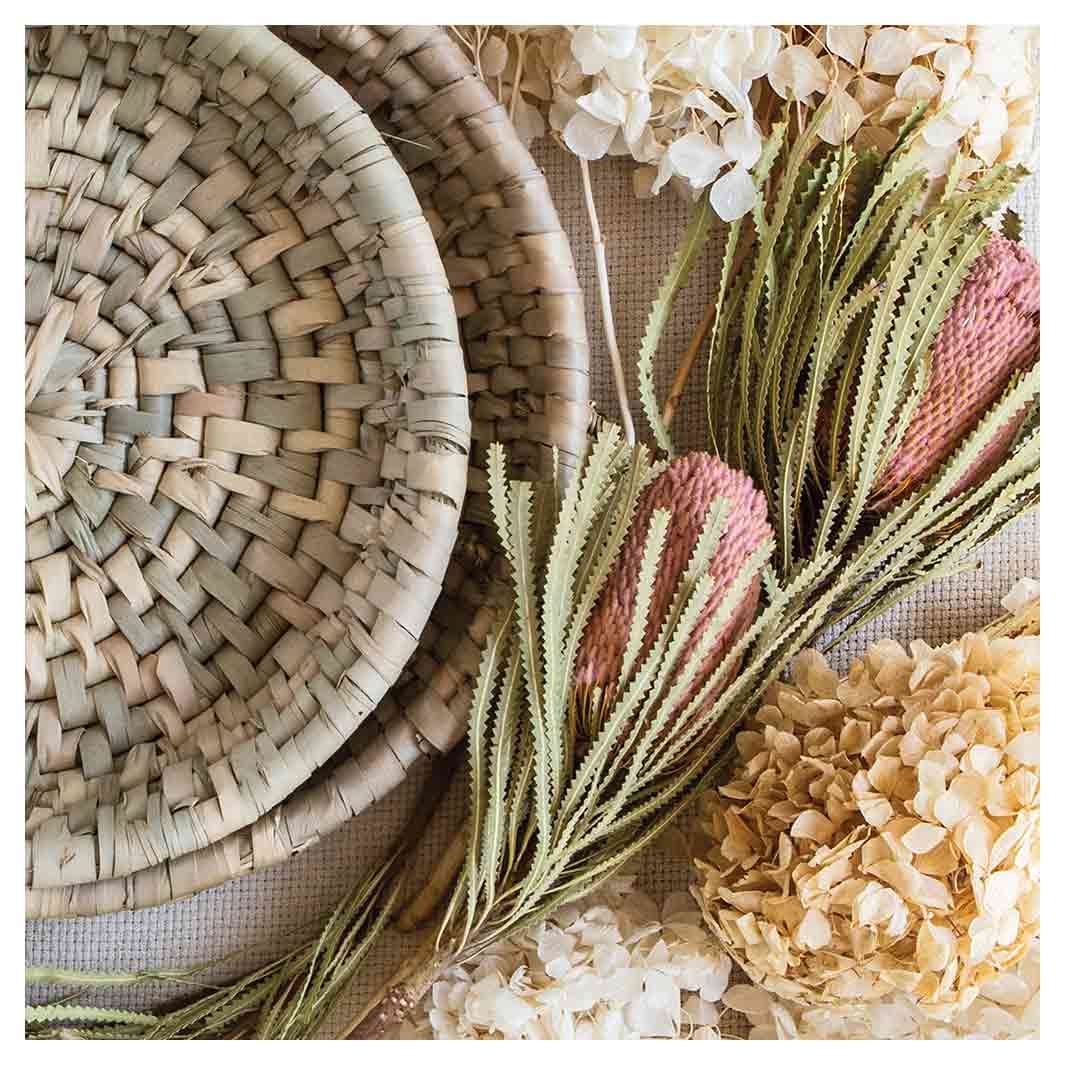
<point>247,437</point>
<point>523,330</point>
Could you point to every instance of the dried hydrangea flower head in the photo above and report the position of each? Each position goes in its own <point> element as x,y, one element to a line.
<point>1006,1008</point>
<point>687,488</point>
<point>990,334</point>
<point>614,965</point>
<point>692,104</point>
<point>881,833</point>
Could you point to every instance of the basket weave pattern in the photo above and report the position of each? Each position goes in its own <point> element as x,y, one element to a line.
<point>247,439</point>
<point>517,298</point>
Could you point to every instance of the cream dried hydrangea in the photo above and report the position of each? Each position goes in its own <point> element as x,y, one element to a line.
<point>981,80</point>
<point>614,965</point>
<point>691,104</point>
<point>1006,1008</point>
<point>881,832</point>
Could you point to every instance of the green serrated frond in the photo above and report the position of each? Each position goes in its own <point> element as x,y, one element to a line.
<point>488,676</point>
<point>1012,227</point>
<point>61,1013</point>
<point>498,494</point>
<point>676,278</point>
<point>645,584</point>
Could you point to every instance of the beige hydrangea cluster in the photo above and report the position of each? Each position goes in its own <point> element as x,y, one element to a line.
<point>880,833</point>
<point>1006,1008</point>
<point>691,104</point>
<point>615,965</point>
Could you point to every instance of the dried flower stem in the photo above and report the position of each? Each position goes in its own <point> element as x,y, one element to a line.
<point>604,305</point>
<point>425,903</point>
<point>688,361</point>
<point>399,997</point>
<point>681,379</point>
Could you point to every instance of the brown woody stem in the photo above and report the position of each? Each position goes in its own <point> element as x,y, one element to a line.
<point>401,994</point>
<point>425,903</point>
<point>676,390</point>
<point>681,379</point>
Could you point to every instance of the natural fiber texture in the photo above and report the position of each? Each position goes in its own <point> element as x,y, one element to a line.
<point>489,207</point>
<point>247,439</point>
<point>257,917</point>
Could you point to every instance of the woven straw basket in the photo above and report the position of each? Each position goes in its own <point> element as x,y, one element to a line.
<point>237,565</point>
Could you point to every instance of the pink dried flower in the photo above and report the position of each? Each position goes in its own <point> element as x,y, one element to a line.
<point>991,333</point>
<point>687,488</point>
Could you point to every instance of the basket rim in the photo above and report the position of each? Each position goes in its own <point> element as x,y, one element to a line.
<point>313,102</point>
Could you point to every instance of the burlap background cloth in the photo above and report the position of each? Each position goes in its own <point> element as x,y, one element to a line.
<point>254,919</point>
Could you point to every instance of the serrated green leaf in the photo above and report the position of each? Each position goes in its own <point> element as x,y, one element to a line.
<point>676,278</point>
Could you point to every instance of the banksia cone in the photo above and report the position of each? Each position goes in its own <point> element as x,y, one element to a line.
<point>991,333</point>
<point>687,487</point>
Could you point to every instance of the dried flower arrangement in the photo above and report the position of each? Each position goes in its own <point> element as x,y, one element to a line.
<point>693,104</point>
<point>873,363</point>
<point>838,319</point>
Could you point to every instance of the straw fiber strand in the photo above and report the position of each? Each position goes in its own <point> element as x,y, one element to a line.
<point>247,439</point>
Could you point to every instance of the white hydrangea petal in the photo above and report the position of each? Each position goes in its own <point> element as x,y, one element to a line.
<point>748,999</point>
<point>942,132</point>
<point>764,45</point>
<point>966,109</point>
<point>618,41</point>
<point>848,42</point>
<point>649,1021</point>
<point>587,137</point>
<point>733,194</point>
<point>998,55</point>
<point>589,49</point>
<point>741,144</point>
<point>844,118</point>
<point>605,103</point>
<point>699,101</point>
<point>696,157</point>
<point>795,72</point>
<point>664,175</point>
<point>628,73</point>
<point>952,61</point>
<point>917,83</point>
<point>639,111</point>
<point>890,51</point>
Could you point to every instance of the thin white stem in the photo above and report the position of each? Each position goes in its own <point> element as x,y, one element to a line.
<point>604,306</point>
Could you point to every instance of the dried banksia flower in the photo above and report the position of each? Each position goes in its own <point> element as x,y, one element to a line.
<point>687,488</point>
<point>990,334</point>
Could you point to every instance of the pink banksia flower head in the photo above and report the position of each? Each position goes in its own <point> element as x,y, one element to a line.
<point>990,334</point>
<point>687,488</point>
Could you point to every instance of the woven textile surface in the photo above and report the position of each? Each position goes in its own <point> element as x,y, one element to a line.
<point>255,918</point>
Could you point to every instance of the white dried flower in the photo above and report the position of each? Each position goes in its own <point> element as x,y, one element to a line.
<point>612,966</point>
<point>881,833</point>
<point>638,91</point>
